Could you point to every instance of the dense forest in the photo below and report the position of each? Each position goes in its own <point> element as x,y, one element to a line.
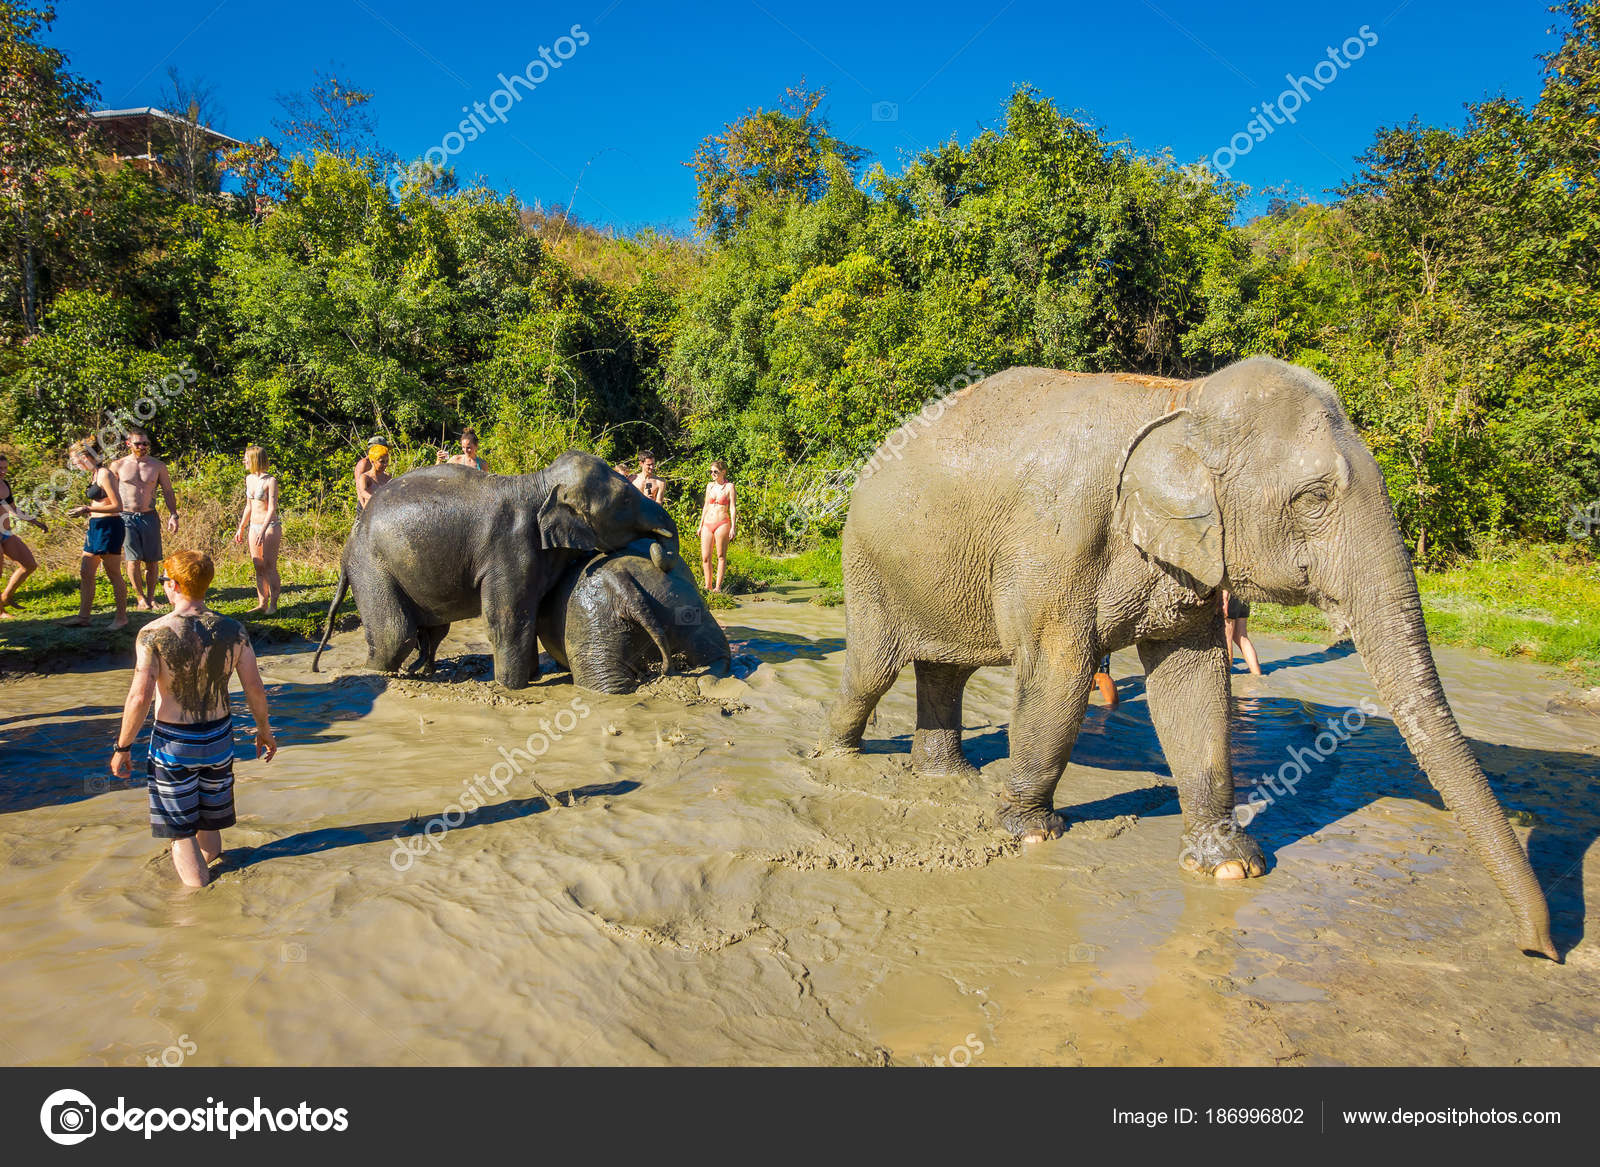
<point>1450,291</point>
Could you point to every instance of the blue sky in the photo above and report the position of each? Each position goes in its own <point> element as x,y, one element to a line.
<point>620,115</point>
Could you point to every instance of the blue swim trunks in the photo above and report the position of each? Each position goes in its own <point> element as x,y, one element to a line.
<point>191,778</point>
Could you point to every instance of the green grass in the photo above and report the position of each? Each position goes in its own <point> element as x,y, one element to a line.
<point>34,639</point>
<point>818,565</point>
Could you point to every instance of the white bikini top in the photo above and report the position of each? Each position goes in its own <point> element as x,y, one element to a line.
<point>259,490</point>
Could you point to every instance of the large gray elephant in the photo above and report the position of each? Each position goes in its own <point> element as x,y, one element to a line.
<point>448,543</point>
<point>1061,516</point>
<point>613,619</point>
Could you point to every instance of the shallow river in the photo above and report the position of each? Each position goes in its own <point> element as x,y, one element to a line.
<point>705,892</point>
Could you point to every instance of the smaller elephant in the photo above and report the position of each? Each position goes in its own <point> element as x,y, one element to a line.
<point>611,620</point>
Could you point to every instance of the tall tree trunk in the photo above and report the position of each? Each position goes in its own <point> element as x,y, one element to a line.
<point>30,279</point>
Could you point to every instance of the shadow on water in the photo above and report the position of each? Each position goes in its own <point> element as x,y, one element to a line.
<point>1556,792</point>
<point>359,834</point>
<point>777,647</point>
<point>64,756</point>
<point>1332,652</point>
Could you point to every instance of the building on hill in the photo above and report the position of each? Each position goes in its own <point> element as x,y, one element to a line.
<point>172,148</point>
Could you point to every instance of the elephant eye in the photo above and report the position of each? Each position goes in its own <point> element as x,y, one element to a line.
<point>1314,499</point>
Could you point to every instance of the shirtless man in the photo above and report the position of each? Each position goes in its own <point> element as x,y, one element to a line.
<point>374,476</point>
<point>138,475</point>
<point>469,452</point>
<point>649,485</point>
<point>184,660</point>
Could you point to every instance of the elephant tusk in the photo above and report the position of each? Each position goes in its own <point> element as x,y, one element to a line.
<point>660,557</point>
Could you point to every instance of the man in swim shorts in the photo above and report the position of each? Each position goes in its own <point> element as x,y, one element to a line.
<point>184,662</point>
<point>138,476</point>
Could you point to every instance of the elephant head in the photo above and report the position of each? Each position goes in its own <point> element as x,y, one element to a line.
<point>1260,483</point>
<point>614,619</point>
<point>585,505</point>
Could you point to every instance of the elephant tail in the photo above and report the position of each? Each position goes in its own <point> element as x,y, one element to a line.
<point>333,609</point>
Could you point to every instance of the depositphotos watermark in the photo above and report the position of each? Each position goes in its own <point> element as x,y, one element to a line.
<point>1298,95</point>
<point>71,1116</point>
<point>961,1056</point>
<point>106,441</point>
<point>501,102</point>
<point>476,791</point>
<point>1585,521</point>
<point>821,499</point>
<point>1283,784</point>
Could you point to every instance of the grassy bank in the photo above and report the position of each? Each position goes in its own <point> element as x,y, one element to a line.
<point>1537,603</point>
<point>35,640</point>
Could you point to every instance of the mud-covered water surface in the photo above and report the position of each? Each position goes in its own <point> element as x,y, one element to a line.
<point>397,892</point>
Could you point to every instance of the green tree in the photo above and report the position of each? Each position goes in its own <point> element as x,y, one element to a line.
<point>43,128</point>
<point>767,154</point>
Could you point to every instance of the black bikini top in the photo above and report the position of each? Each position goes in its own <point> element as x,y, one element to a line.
<point>96,492</point>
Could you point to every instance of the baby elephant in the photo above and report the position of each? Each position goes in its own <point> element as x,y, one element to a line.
<point>612,620</point>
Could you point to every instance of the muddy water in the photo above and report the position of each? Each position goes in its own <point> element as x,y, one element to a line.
<point>705,892</point>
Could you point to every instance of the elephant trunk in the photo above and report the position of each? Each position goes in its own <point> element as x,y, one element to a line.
<point>1385,617</point>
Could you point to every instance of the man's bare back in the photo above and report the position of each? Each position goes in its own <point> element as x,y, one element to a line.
<point>194,657</point>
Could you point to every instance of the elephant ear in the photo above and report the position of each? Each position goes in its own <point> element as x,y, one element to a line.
<point>1167,502</point>
<point>562,525</point>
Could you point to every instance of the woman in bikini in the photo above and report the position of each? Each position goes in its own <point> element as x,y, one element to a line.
<point>266,529</point>
<point>719,523</point>
<point>11,543</point>
<point>102,546</point>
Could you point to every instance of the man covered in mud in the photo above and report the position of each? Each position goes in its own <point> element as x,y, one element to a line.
<point>139,476</point>
<point>184,662</point>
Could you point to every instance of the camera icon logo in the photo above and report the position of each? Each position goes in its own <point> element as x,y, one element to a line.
<point>68,1117</point>
<point>885,111</point>
<point>292,953</point>
<point>688,616</point>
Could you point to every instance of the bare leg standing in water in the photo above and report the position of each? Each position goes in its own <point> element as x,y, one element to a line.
<point>183,663</point>
<point>1236,622</point>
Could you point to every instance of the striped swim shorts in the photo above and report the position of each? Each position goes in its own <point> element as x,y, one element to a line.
<point>191,778</point>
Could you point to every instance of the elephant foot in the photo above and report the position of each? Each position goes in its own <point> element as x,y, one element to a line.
<point>832,747</point>
<point>1221,850</point>
<point>1031,824</point>
<point>941,758</point>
